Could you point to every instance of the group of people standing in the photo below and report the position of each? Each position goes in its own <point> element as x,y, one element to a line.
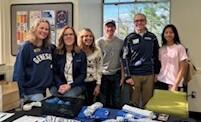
<point>114,71</point>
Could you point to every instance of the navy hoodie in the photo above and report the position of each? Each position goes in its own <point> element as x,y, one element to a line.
<point>33,69</point>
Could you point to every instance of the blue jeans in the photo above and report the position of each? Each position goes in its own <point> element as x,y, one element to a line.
<point>110,90</point>
<point>74,92</point>
<point>34,97</point>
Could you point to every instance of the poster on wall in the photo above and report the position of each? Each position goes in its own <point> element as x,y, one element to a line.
<point>58,33</point>
<point>53,37</point>
<point>33,15</point>
<point>50,16</point>
<point>21,26</point>
<point>24,15</point>
<point>61,18</point>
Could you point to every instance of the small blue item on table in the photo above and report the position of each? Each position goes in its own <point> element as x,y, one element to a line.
<point>99,114</point>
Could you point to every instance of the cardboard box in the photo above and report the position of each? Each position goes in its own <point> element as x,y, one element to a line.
<point>9,95</point>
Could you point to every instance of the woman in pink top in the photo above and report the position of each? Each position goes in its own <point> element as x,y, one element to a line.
<point>172,55</point>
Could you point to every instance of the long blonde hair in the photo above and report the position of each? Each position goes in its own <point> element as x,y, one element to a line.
<point>32,36</point>
<point>80,39</point>
<point>61,48</point>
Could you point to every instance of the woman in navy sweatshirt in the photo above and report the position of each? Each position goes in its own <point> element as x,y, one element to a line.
<point>33,67</point>
<point>69,64</point>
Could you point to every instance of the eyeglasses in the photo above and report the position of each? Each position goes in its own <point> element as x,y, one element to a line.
<point>139,20</point>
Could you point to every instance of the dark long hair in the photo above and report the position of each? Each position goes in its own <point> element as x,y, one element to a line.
<point>176,35</point>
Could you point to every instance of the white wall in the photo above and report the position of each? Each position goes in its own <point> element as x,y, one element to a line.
<point>5,70</point>
<point>89,14</point>
<point>194,86</point>
<point>1,33</point>
<point>3,37</point>
<point>185,15</point>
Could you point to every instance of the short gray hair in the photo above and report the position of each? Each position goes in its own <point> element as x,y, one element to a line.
<point>141,14</point>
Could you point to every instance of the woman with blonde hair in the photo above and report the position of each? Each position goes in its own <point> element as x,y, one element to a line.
<point>94,63</point>
<point>69,65</point>
<point>33,66</point>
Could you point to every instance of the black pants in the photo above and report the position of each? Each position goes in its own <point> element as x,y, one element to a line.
<point>163,86</point>
<point>110,90</point>
<point>89,97</point>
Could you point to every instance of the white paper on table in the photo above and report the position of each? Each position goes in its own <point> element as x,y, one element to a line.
<point>131,109</point>
<point>4,116</point>
<point>30,119</point>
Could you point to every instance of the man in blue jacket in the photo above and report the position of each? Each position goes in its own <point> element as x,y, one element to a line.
<point>140,61</point>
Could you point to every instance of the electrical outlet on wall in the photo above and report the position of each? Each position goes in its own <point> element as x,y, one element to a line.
<point>193,94</point>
